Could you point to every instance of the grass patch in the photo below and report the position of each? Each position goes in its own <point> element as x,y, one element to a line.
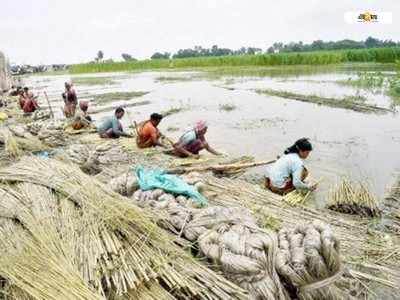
<point>227,107</point>
<point>93,80</point>
<point>172,111</point>
<point>348,102</point>
<point>170,79</point>
<point>394,90</point>
<point>117,96</point>
<point>374,82</point>
<point>355,98</point>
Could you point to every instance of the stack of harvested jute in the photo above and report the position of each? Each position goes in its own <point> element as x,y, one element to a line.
<point>106,153</point>
<point>52,134</point>
<point>307,259</point>
<point>64,235</point>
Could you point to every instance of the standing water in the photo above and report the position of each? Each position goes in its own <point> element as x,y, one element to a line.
<point>242,122</point>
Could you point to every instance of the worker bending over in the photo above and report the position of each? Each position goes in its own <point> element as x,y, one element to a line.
<point>288,172</point>
<point>82,119</point>
<point>112,126</point>
<point>193,141</point>
<point>148,134</point>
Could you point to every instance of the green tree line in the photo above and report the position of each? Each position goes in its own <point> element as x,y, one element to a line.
<point>318,45</point>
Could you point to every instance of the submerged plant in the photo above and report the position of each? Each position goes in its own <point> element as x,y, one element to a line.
<point>227,107</point>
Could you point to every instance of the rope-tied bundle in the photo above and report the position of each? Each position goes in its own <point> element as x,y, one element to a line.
<point>246,255</point>
<point>310,254</point>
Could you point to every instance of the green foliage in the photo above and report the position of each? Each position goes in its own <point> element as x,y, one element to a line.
<point>93,80</point>
<point>227,107</point>
<point>379,55</point>
<point>394,90</point>
<point>108,97</point>
<point>366,80</point>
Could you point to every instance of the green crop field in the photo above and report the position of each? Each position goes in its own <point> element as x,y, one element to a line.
<point>378,55</point>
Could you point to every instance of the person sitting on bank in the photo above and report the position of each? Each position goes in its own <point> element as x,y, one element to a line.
<point>193,141</point>
<point>70,100</point>
<point>82,119</point>
<point>112,126</point>
<point>288,172</point>
<point>30,105</point>
<point>148,134</point>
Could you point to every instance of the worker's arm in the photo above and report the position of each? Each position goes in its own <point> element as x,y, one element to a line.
<point>155,137</point>
<point>116,130</point>
<point>210,149</point>
<point>36,104</point>
<point>297,182</point>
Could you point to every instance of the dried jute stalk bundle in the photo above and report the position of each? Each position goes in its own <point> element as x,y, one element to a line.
<point>10,144</point>
<point>309,261</point>
<point>354,199</point>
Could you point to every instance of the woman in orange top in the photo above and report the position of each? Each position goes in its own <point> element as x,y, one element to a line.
<point>149,135</point>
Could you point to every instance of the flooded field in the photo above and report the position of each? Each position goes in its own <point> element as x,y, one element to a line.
<point>363,146</point>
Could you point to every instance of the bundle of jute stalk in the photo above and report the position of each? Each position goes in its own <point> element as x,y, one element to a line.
<point>31,250</point>
<point>308,259</point>
<point>296,197</point>
<point>10,144</point>
<point>96,240</point>
<point>352,198</point>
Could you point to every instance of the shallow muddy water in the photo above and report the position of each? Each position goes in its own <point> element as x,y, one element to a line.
<point>346,143</point>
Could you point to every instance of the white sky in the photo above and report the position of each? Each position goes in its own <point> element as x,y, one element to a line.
<point>72,31</point>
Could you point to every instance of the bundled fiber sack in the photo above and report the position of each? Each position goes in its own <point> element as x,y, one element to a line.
<point>244,253</point>
<point>309,262</point>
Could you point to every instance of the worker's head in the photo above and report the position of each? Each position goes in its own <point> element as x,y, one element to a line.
<point>84,105</point>
<point>302,147</point>
<point>68,85</point>
<point>119,112</point>
<point>26,89</point>
<point>155,119</point>
<point>201,127</point>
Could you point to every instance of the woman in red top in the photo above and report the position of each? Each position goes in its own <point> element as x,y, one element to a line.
<point>30,105</point>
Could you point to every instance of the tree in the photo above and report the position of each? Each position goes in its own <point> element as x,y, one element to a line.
<point>371,42</point>
<point>271,50</point>
<point>253,50</point>
<point>127,57</point>
<point>159,55</point>
<point>100,56</point>
<point>278,46</point>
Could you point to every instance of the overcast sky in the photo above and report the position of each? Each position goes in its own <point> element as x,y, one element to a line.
<point>72,31</point>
